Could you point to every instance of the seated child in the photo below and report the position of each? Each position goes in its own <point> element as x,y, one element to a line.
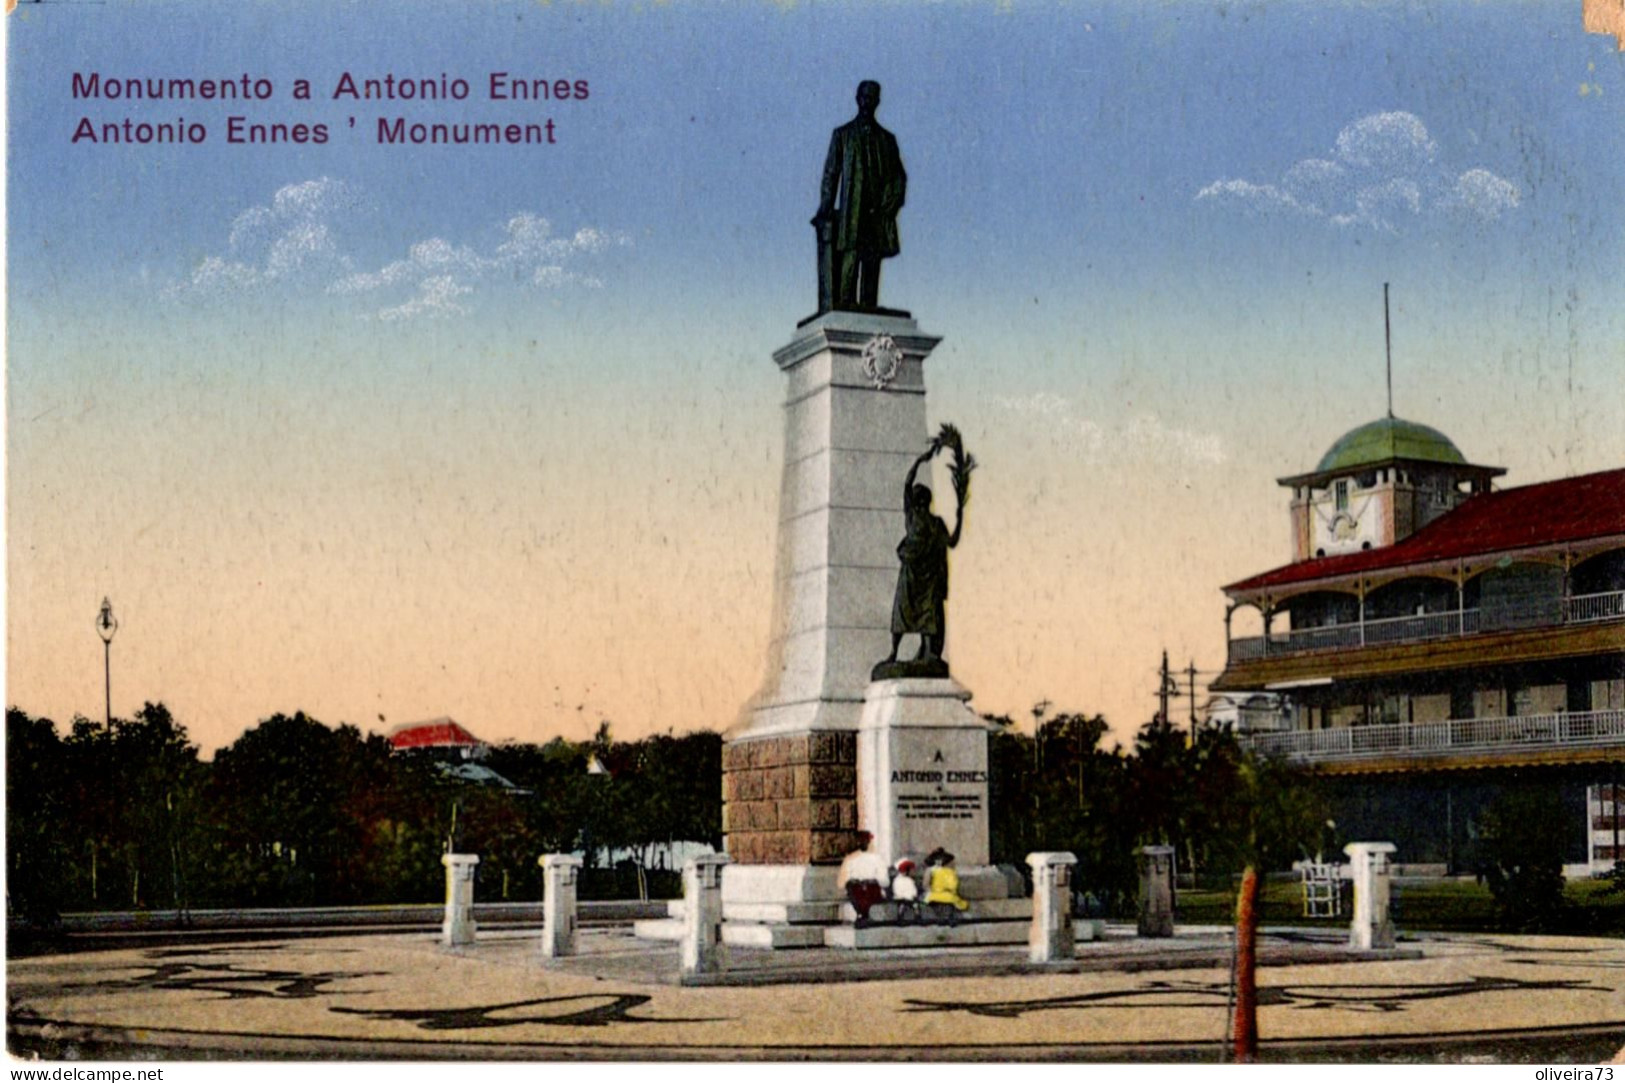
<point>905,893</point>
<point>942,894</point>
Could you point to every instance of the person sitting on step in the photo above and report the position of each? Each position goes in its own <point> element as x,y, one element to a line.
<point>905,893</point>
<point>942,888</point>
<point>863,879</point>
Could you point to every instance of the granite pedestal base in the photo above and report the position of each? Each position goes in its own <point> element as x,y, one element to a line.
<point>922,776</point>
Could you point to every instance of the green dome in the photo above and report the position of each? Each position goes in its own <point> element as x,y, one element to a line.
<point>1390,438</point>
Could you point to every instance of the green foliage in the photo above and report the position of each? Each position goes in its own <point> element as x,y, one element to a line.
<point>38,842</point>
<point>1456,905</point>
<point>1521,847</point>
<point>1059,790</point>
<point>1218,807</point>
<point>107,816</point>
<point>296,812</point>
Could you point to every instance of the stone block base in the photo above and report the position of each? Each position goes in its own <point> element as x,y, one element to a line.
<point>875,937</point>
<point>772,937</point>
<point>658,929</point>
<point>797,906</point>
<point>830,913</point>
<point>790,800</point>
<point>780,884</point>
<point>925,936</point>
<point>980,910</point>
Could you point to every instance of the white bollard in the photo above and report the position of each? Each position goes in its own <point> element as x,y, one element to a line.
<point>702,913</point>
<point>559,904</point>
<point>1051,938</point>
<point>458,928</point>
<point>1156,891</point>
<point>1372,927</point>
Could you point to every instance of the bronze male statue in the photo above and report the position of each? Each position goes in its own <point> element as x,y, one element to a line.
<point>919,606</point>
<point>856,221</point>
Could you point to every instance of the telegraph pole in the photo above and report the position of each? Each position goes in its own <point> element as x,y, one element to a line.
<point>1191,673</point>
<point>1163,682</point>
<point>1040,709</point>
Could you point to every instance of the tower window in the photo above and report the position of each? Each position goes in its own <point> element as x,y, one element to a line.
<point>1341,494</point>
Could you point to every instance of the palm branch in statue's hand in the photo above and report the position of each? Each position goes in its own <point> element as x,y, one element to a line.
<point>961,464</point>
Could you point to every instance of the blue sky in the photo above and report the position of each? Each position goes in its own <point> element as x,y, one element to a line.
<point>1153,236</point>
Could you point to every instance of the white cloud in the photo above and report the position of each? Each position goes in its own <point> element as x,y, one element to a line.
<point>1485,194</point>
<point>1139,438</point>
<point>289,239</point>
<point>1250,195</point>
<point>1388,205</point>
<point>1316,183</point>
<point>1387,141</point>
<point>433,257</point>
<point>1382,173</point>
<point>296,239</point>
<point>442,271</point>
<point>437,296</point>
<point>217,273</point>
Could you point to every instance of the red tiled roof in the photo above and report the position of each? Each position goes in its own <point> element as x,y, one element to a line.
<point>1549,513</point>
<point>435,733</point>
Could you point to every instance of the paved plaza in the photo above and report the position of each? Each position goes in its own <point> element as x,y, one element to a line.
<point>403,996</point>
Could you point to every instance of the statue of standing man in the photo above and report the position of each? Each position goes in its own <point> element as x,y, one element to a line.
<point>856,221</point>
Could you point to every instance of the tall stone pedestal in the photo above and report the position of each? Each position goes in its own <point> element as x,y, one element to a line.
<point>458,927</point>
<point>1053,936</point>
<point>1156,891</point>
<point>1370,864</point>
<point>854,422</point>
<point>701,950</point>
<point>559,872</point>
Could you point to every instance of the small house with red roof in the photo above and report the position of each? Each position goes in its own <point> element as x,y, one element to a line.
<point>437,733</point>
<point>455,751</point>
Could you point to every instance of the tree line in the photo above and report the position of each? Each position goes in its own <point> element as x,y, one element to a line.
<point>299,813</point>
<point>1218,807</point>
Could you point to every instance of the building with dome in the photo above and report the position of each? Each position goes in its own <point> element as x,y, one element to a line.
<point>1435,638</point>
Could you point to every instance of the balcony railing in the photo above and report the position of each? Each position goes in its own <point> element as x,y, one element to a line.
<point>1576,609</point>
<point>1583,608</point>
<point>1573,729</point>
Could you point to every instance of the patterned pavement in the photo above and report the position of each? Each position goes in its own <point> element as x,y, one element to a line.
<point>402,996</point>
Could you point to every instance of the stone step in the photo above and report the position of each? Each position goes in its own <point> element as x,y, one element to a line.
<point>819,913</point>
<point>802,913</point>
<point>658,929</point>
<point>924,936</point>
<point>980,910</point>
<point>756,935</point>
<point>963,935</point>
<point>784,935</point>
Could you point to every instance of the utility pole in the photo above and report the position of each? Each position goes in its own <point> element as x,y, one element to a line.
<point>1191,673</point>
<point>1040,709</point>
<point>1163,682</point>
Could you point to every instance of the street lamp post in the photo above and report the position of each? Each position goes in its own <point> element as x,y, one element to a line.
<point>106,626</point>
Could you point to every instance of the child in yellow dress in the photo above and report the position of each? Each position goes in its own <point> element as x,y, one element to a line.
<point>942,888</point>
